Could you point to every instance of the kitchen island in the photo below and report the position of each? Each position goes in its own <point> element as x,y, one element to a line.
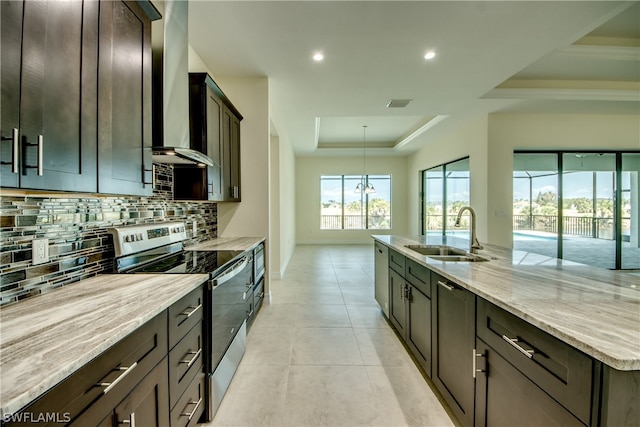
<point>588,316</point>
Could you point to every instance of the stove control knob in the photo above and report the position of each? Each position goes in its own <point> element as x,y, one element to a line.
<point>127,238</point>
<point>139,236</point>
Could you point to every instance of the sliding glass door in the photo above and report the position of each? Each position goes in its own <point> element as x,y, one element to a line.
<point>578,206</point>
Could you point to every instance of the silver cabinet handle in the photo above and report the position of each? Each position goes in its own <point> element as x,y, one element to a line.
<point>193,310</point>
<point>40,154</point>
<point>14,150</point>
<point>127,371</point>
<point>446,285</point>
<point>514,343</point>
<point>40,145</point>
<point>195,408</point>
<point>475,363</point>
<point>131,421</point>
<point>196,354</point>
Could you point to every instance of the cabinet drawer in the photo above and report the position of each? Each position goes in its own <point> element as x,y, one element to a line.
<point>185,361</point>
<point>419,276</point>
<point>184,314</point>
<point>103,382</point>
<point>559,369</point>
<point>397,261</point>
<point>505,397</point>
<point>190,406</point>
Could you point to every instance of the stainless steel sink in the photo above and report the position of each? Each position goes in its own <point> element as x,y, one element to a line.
<point>446,253</point>
<point>430,250</point>
<point>459,258</point>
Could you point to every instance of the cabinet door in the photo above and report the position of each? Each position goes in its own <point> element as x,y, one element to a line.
<point>230,155</point>
<point>124,107</point>
<point>58,92</point>
<point>11,57</point>
<point>506,397</point>
<point>397,304</point>
<point>453,340</point>
<point>148,404</point>
<point>213,147</point>
<point>419,330</point>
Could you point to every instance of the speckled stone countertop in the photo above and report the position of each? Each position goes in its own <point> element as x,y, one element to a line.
<point>227,244</point>
<point>48,337</point>
<point>594,310</point>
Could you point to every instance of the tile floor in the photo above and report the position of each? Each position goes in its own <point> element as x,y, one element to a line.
<point>320,353</point>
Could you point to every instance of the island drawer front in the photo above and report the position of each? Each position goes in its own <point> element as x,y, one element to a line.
<point>190,405</point>
<point>419,276</point>
<point>185,361</point>
<point>397,262</point>
<point>103,382</point>
<point>184,314</point>
<point>563,372</point>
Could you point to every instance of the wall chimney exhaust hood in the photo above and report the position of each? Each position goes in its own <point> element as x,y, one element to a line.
<point>170,58</point>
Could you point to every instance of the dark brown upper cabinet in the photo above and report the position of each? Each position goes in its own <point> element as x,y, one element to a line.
<point>214,128</point>
<point>49,92</point>
<point>76,96</point>
<point>124,100</point>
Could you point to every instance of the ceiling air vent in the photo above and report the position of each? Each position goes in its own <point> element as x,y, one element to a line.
<point>398,103</point>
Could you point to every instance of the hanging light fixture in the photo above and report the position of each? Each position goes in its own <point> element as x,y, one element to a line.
<point>367,188</point>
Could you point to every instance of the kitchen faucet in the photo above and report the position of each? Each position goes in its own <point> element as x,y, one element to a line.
<point>474,244</point>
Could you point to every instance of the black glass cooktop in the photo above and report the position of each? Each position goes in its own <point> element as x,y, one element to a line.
<point>195,262</point>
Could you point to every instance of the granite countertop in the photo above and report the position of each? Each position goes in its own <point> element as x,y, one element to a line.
<point>227,244</point>
<point>594,310</point>
<point>47,338</point>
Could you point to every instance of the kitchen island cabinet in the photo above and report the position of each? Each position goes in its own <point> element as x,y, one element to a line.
<point>453,330</point>
<point>513,343</point>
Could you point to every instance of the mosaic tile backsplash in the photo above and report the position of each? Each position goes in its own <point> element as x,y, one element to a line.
<point>79,245</point>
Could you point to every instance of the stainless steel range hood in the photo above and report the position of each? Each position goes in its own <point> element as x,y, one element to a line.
<point>170,47</point>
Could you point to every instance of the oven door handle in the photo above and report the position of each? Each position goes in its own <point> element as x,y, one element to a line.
<point>231,272</point>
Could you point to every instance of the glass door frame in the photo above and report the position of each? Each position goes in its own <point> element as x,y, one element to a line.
<point>617,194</point>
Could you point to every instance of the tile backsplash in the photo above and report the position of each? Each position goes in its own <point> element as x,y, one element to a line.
<point>76,227</point>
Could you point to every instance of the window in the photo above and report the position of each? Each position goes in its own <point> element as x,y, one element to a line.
<point>342,208</point>
<point>578,206</point>
<point>445,189</point>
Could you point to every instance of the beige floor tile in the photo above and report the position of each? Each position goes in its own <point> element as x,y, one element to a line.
<point>325,346</point>
<point>306,295</point>
<point>255,397</point>
<point>330,396</point>
<point>366,316</point>
<point>358,295</point>
<point>269,346</point>
<point>403,398</point>
<point>381,347</point>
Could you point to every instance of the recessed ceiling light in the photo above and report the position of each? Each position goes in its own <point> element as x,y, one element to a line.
<point>430,55</point>
<point>318,56</point>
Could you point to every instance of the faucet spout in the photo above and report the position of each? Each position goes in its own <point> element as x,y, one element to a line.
<point>474,244</point>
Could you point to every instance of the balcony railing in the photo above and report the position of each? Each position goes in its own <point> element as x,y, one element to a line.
<point>354,222</point>
<point>595,227</point>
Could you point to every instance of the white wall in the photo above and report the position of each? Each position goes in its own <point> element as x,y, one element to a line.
<point>468,139</point>
<point>282,205</point>
<point>307,187</point>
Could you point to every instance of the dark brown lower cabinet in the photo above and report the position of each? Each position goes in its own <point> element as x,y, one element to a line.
<point>506,397</point>
<point>397,306</point>
<point>453,326</point>
<point>146,405</point>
